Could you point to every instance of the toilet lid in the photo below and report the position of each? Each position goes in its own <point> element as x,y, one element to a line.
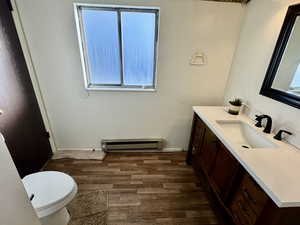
<point>49,187</point>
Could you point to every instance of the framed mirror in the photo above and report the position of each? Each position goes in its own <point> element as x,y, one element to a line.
<point>282,81</point>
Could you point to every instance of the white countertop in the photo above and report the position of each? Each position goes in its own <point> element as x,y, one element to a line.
<point>276,170</point>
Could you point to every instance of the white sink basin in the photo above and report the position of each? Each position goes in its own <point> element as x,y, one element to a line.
<point>244,135</point>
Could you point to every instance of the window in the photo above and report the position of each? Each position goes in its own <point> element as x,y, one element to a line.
<point>118,46</point>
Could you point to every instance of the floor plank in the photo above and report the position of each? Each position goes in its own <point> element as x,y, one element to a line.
<point>143,188</point>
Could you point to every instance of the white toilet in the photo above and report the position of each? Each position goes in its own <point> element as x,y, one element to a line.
<point>50,191</point>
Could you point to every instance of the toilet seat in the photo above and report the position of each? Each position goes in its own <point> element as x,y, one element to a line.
<point>52,191</point>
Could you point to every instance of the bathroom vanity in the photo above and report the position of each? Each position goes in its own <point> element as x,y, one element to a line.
<point>253,178</point>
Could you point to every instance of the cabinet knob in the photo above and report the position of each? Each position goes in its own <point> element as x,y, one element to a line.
<point>193,150</point>
<point>243,207</point>
<point>248,196</point>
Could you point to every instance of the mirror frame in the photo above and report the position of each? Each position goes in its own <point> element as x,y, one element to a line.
<point>266,89</point>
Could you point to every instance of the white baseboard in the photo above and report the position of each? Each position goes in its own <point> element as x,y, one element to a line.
<point>79,154</point>
<point>173,150</point>
<point>79,149</point>
<point>99,149</point>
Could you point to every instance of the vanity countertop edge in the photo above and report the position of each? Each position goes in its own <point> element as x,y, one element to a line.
<point>276,170</point>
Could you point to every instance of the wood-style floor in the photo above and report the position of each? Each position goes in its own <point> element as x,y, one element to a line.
<point>143,188</point>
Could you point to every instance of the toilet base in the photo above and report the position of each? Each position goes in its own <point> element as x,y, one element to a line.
<point>61,217</point>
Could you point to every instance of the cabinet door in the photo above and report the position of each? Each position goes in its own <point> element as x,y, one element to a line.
<point>248,202</point>
<point>197,145</point>
<point>254,195</point>
<point>241,212</point>
<point>209,151</point>
<point>196,139</point>
<point>198,136</point>
<point>223,172</point>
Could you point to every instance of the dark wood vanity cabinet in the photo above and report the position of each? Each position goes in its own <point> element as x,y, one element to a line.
<point>241,198</point>
<point>209,152</point>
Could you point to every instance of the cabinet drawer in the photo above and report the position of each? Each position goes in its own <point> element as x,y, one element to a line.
<point>255,196</point>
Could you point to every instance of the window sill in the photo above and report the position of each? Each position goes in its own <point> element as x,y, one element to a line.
<point>121,89</point>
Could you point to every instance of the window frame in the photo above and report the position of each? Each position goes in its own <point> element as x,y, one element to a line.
<point>83,46</point>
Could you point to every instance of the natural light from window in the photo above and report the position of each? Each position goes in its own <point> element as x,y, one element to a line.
<point>118,46</point>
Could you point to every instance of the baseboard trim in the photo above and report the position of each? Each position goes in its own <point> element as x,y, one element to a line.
<point>79,149</point>
<point>173,150</point>
<point>79,154</point>
<point>99,149</point>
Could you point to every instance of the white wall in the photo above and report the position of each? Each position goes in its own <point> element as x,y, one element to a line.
<point>260,30</point>
<point>15,207</point>
<point>80,119</point>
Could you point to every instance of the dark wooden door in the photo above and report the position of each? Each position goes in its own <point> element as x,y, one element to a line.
<point>209,151</point>
<point>249,202</point>
<point>198,128</point>
<point>224,171</point>
<point>197,141</point>
<point>21,123</point>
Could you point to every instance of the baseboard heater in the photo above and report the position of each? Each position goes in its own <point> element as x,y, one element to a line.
<point>122,145</point>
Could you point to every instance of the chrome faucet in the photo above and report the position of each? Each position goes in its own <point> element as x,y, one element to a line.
<point>268,125</point>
